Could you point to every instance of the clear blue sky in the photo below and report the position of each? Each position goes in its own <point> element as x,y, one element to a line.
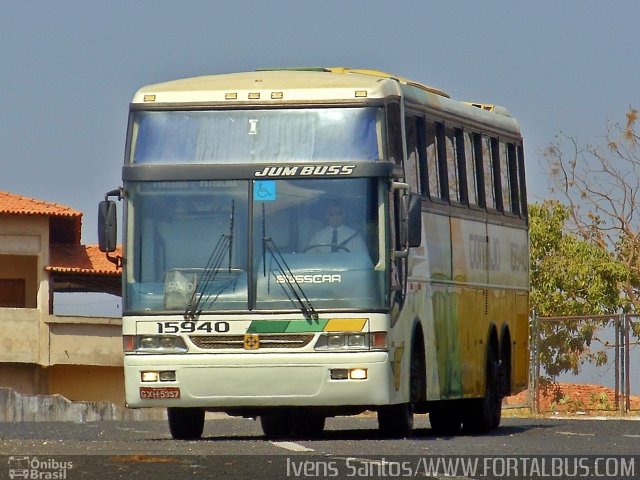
<point>69,68</point>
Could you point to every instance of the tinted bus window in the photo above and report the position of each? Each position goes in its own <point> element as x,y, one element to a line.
<point>452,164</point>
<point>513,178</point>
<point>411,170</point>
<point>487,168</point>
<point>471,169</point>
<point>522,184</point>
<point>433,167</point>
<point>507,203</point>
<point>394,134</point>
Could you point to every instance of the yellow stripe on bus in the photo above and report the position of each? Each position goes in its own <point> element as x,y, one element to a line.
<point>345,325</point>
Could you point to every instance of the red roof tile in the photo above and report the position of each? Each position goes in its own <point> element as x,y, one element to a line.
<point>13,204</point>
<point>84,259</point>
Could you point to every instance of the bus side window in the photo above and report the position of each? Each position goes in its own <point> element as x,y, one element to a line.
<point>495,168</point>
<point>487,168</point>
<point>479,169</point>
<point>452,165</point>
<point>522,184</point>
<point>443,176</point>
<point>394,133</point>
<point>411,171</point>
<point>461,167</point>
<point>423,182</point>
<point>471,169</point>
<point>432,170</point>
<point>513,178</point>
<point>505,189</point>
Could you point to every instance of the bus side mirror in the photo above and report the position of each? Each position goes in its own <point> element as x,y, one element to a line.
<point>107,226</point>
<point>414,220</point>
<point>408,218</point>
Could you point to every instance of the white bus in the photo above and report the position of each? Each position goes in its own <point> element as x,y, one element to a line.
<point>305,243</point>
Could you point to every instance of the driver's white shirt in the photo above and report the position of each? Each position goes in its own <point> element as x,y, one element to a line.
<point>323,237</point>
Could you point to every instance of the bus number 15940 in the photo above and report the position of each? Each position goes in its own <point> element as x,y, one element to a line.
<point>192,327</point>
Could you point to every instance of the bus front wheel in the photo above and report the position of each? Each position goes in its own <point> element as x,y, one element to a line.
<point>185,423</point>
<point>396,421</point>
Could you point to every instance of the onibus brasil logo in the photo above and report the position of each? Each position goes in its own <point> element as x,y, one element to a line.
<point>38,468</point>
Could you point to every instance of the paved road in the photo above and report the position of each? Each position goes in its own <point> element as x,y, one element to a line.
<point>235,448</point>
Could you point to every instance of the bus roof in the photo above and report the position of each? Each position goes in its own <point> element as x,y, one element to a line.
<point>314,84</point>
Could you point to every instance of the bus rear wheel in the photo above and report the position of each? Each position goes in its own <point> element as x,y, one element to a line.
<point>186,423</point>
<point>484,414</point>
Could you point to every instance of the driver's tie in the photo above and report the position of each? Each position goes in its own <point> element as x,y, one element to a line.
<point>334,241</point>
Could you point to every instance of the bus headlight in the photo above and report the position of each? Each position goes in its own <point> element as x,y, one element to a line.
<point>358,340</point>
<point>153,344</point>
<point>335,341</point>
<point>149,342</point>
<point>155,376</point>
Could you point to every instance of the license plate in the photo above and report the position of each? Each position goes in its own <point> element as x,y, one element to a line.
<point>156,393</point>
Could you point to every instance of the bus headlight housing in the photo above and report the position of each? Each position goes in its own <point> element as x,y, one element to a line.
<point>340,341</point>
<point>154,344</point>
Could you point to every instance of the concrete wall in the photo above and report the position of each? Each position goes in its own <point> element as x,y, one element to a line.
<point>17,407</point>
<point>24,377</point>
<point>88,383</point>
<point>84,341</point>
<point>78,357</point>
<point>20,339</point>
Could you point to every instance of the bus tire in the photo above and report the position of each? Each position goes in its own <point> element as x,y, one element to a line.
<point>484,414</point>
<point>396,421</point>
<point>505,367</point>
<point>185,423</point>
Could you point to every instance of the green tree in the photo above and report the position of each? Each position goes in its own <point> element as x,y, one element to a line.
<point>570,276</point>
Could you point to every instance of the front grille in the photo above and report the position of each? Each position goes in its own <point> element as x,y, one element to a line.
<point>267,340</point>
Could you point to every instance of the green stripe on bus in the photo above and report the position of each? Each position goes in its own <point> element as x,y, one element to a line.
<point>298,326</point>
<point>268,326</point>
<point>288,326</point>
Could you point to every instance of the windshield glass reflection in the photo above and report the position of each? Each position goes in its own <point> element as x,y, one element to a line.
<point>253,136</point>
<point>315,245</point>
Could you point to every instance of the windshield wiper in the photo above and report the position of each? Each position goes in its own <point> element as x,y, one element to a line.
<point>293,290</point>
<point>211,270</point>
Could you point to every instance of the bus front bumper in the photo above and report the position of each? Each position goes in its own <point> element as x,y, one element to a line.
<point>258,380</point>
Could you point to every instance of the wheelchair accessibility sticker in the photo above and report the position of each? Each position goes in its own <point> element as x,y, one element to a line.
<point>264,190</point>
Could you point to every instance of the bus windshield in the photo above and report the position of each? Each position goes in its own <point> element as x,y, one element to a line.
<point>238,245</point>
<point>254,136</point>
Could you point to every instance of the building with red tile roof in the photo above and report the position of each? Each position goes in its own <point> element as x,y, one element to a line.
<point>65,223</point>
<point>14,204</point>
<point>83,268</point>
<point>41,254</point>
<point>83,265</point>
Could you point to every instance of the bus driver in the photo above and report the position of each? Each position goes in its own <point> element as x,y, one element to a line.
<point>336,236</point>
